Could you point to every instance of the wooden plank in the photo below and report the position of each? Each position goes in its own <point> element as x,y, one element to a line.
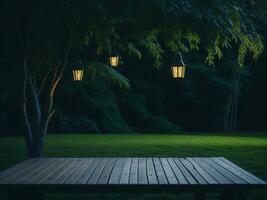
<point>179,175</point>
<point>57,173</point>
<point>18,167</point>
<point>97,172</point>
<point>125,175</point>
<point>151,173</point>
<point>213,172</point>
<point>235,171</point>
<point>134,171</point>
<point>193,171</point>
<point>202,170</point>
<point>116,171</point>
<point>186,173</point>
<point>52,173</point>
<point>10,177</point>
<point>89,171</point>
<point>73,179</point>
<point>168,171</point>
<point>242,170</point>
<point>69,171</point>
<point>127,171</point>
<point>160,172</point>
<point>142,172</point>
<point>107,171</point>
<point>226,173</point>
<point>42,172</point>
<point>24,174</point>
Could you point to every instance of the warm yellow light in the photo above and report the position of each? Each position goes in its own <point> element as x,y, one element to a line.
<point>77,74</point>
<point>178,71</point>
<point>114,61</point>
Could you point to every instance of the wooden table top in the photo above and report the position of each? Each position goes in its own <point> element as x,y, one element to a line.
<point>128,173</point>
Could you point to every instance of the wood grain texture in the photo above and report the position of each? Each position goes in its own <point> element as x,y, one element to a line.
<point>236,171</point>
<point>177,171</point>
<point>134,171</point>
<point>116,174</point>
<point>151,173</point>
<point>192,170</point>
<point>125,175</point>
<point>142,175</point>
<point>162,179</point>
<point>98,171</point>
<point>220,178</point>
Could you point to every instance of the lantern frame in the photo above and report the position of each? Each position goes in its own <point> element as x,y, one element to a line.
<point>178,68</point>
<point>178,71</point>
<point>114,59</point>
<point>78,72</point>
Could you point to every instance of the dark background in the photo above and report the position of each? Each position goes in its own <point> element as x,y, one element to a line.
<point>156,103</point>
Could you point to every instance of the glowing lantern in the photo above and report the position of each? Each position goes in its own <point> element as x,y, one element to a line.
<point>78,73</point>
<point>178,70</point>
<point>114,60</point>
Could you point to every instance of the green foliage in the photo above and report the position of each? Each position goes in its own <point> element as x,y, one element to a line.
<point>105,36</point>
<point>133,28</point>
<point>210,56</point>
<point>146,30</point>
<point>193,40</point>
<point>133,51</point>
<point>96,102</point>
<point>153,47</point>
<point>108,73</point>
<point>240,31</point>
<point>73,124</point>
<point>249,45</point>
<point>135,110</point>
<point>157,124</point>
<point>177,39</point>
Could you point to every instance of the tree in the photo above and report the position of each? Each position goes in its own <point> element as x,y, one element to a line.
<point>44,39</point>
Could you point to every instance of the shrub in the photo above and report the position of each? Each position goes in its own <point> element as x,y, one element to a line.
<point>73,124</point>
<point>156,124</point>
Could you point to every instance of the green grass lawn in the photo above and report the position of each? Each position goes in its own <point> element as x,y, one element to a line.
<point>249,150</point>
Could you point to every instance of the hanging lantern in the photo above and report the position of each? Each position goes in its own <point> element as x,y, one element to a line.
<point>114,60</point>
<point>178,70</point>
<point>78,73</point>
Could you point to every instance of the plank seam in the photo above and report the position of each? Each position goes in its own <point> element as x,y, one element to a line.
<point>76,168</point>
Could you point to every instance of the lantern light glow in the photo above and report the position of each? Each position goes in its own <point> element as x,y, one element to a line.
<point>114,60</point>
<point>77,74</point>
<point>178,71</point>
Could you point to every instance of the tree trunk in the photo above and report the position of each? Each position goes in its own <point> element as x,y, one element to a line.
<point>227,114</point>
<point>36,106</point>
<point>230,116</point>
<point>23,111</point>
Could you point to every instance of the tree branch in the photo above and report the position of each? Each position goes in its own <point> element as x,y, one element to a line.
<point>58,72</point>
<point>44,81</point>
<point>52,113</point>
<point>36,110</point>
<point>24,115</point>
